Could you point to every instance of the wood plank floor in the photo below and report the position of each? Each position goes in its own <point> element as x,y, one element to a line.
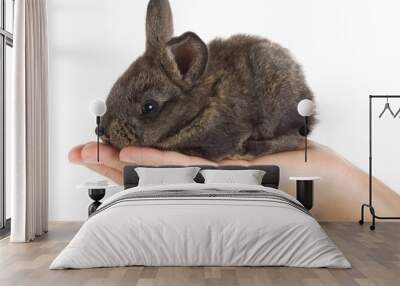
<point>375,257</point>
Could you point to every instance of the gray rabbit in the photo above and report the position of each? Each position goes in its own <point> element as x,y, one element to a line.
<point>235,98</point>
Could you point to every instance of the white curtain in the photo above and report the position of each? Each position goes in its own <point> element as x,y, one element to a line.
<point>27,140</point>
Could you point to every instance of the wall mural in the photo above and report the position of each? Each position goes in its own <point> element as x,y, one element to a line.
<point>233,102</point>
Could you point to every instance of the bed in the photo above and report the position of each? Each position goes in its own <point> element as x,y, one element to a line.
<point>201,224</point>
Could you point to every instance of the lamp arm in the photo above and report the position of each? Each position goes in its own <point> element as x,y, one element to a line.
<point>99,132</point>
<point>98,138</point>
<point>305,139</point>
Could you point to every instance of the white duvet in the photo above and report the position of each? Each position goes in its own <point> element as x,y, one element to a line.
<point>202,231</point>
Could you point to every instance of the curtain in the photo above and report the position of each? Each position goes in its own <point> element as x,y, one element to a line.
<point>27,135</point>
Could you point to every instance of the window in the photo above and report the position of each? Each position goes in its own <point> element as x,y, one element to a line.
<point>6,44</point>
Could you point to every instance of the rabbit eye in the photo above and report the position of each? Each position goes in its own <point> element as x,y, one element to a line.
<point>149,106</point>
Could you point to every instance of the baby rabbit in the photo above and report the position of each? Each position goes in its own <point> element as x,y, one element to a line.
<point>235,98</point>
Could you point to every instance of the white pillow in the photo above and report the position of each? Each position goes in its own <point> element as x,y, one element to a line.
<point>166,176</point>
<point>243,177</point>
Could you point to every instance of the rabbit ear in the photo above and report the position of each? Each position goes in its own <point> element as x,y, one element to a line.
<point>190,55</point>
<point>159,24</point>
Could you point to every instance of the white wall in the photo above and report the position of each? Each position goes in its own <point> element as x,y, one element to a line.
<point>349,49</point>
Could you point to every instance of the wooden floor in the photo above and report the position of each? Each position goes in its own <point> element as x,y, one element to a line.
<point>375,257</point>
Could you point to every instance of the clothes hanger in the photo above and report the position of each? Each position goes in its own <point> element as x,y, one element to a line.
<point>397,113</point>
<point>387,107</point>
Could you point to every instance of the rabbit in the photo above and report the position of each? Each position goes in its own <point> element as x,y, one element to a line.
<point>233,99</point>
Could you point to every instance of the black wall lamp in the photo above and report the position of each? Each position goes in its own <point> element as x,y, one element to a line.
<point>305,108</point>
<point>98,108</point>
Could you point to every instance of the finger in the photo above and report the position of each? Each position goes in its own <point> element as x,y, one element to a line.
<point>108,172</point>
<point>74,154</point>
<point>109,156</point>
<point>153,157</point>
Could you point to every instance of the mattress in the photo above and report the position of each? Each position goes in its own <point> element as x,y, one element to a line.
<point>201,225</point>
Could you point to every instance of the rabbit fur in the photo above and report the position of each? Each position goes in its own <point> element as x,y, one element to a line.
<point>233,98</point>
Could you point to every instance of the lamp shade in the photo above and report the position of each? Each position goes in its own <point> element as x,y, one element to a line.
<point>97,107</point>
<point>306,107</point>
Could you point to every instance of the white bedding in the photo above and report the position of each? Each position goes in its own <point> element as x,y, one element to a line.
<point>200,231</point>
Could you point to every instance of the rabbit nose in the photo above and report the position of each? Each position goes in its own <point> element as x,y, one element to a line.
<point>106,139</point>
<point>119,135</point>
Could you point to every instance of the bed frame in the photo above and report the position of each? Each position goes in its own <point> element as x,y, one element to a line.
<point>271,178</point>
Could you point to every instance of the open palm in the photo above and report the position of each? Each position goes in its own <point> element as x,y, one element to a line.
<point>323,162</point>
<point>112,160</point>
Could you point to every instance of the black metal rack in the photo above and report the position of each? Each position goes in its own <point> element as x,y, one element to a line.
<point>370,205</point>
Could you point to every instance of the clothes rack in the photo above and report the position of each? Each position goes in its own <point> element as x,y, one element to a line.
<point>370,202</point>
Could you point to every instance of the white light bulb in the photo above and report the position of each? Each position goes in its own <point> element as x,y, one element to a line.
<point>97,107</point>
<point>306,107</point>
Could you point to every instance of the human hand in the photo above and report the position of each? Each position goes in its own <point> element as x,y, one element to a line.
<point>113,161</point>
<point>338,196</point>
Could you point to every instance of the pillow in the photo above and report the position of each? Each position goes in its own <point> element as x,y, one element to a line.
<point>166,176</point>
<point>243,177</point>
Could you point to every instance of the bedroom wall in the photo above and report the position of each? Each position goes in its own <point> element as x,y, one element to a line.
<point>348,49</point>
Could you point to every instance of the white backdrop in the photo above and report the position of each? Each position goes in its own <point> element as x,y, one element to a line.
<point>348,49</point>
